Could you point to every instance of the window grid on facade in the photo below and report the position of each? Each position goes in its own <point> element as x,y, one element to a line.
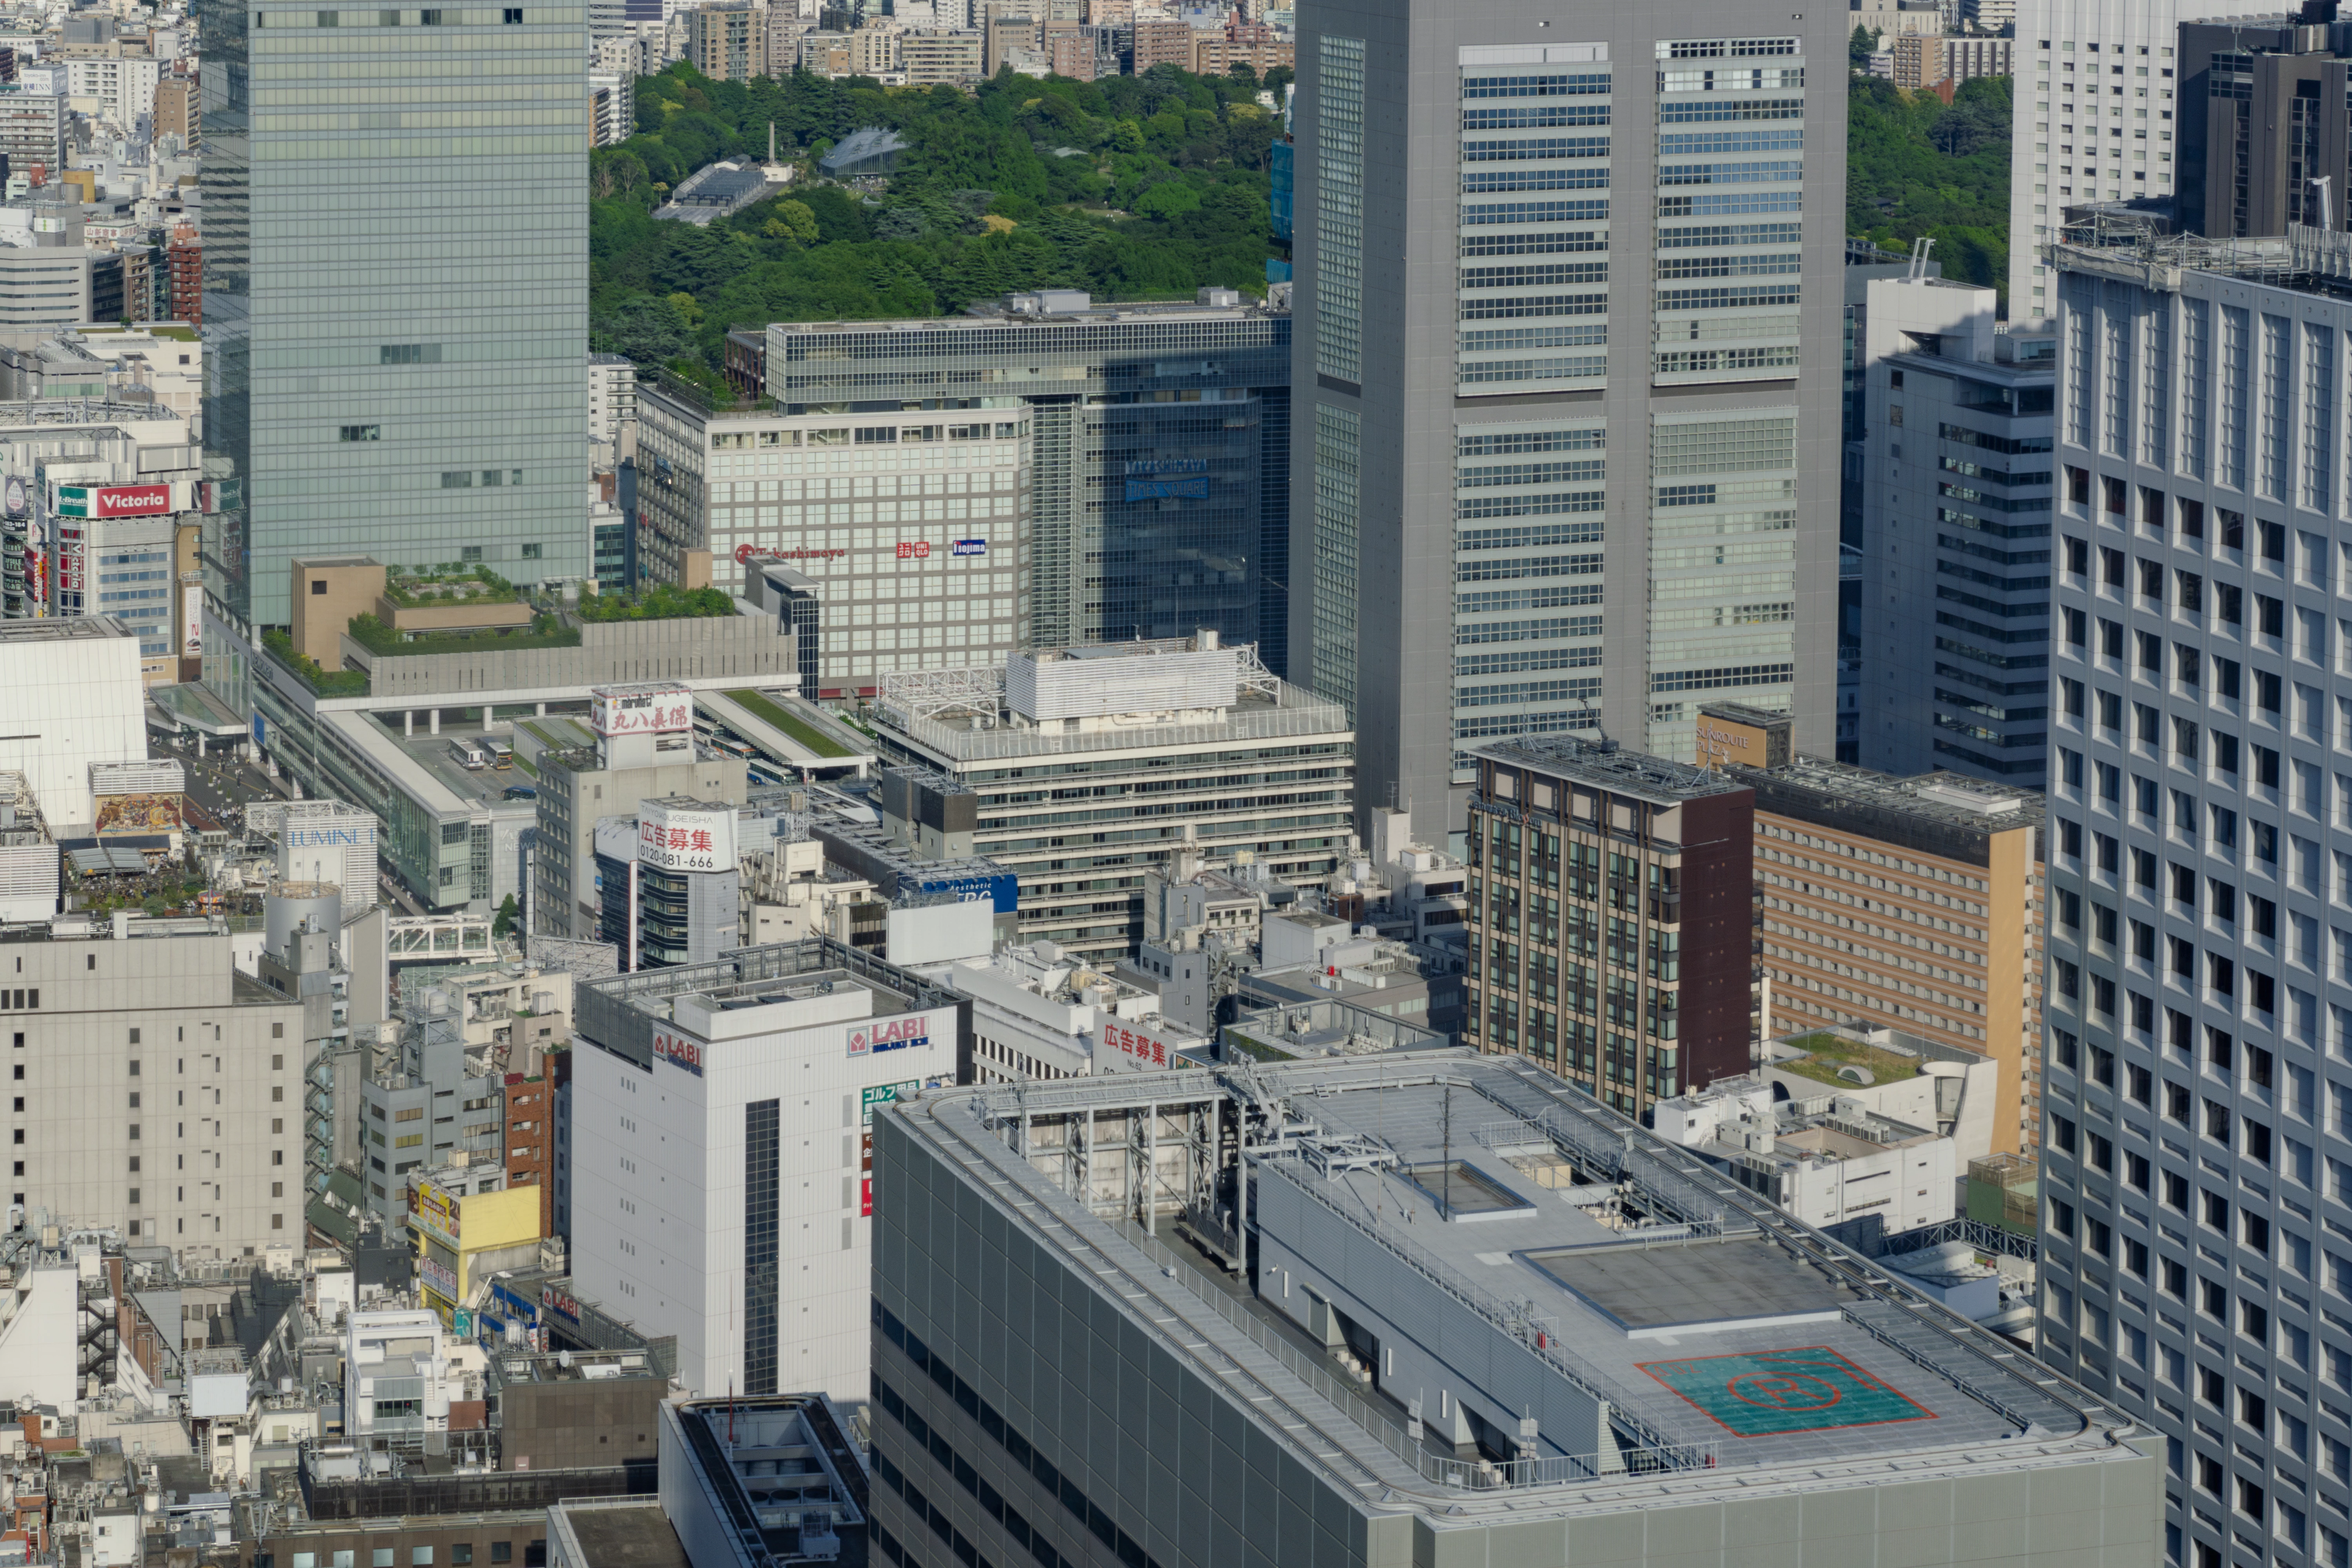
<point>762,1257</point>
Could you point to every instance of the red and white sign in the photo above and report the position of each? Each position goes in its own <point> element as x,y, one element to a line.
<point>898,1035</point>
<point>672,839</point>
<point>131,500</point>
<point>680,1051</point>
<point>662,709</point>
<point>915,550</point>
<point>1145,1050</point>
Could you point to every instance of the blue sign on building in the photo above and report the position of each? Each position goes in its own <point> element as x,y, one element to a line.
<point>1001,891</point>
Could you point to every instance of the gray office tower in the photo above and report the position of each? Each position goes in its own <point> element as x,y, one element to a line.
<point>1566,420</point>
<point>2197,1163</point>
<point>395,291</point>
<point>1429,1308</point>
<point>1160,504</point>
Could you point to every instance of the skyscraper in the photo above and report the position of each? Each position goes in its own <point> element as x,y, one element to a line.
<point>2197,1157</point>
<point>395,291</point>
<point>1567,421</point>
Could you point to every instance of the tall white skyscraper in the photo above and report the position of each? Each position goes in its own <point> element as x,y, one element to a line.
<point>2097,119</point>
<point>1566,407</point>
<point>2196,1176</point>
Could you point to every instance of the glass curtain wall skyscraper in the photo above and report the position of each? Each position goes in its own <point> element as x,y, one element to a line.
<point>1566,425</point>
<point>395,291</point>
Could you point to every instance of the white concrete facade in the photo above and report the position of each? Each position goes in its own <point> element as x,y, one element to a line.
<point>658,1217</point>
<point>72,698</point>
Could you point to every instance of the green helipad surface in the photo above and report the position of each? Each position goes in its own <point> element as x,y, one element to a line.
<point>1758,1394</point>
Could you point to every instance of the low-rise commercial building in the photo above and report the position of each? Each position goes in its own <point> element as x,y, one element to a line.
<point>1183,744</point>
<point>1039,1014</point>
<point>465,1224</point>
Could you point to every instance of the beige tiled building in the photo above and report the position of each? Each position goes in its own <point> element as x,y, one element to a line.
<point>1915,904</point>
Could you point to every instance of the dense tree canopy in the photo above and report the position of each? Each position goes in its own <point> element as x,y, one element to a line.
<point>1132,187</point>
<point>1915,166</point>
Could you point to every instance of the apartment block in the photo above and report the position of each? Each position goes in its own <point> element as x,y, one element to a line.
<point>1448,1350</point>
<point>156,1088</point>
<point>1931,59</point>
<point>727,42</point>
<point>1908,903</point>
<point>2197,1115</point>
<point>1540,289</point>
<point>950,58</point>
<point>1610,919</point>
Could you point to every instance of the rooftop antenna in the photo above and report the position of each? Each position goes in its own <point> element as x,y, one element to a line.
<point>1920,248</point>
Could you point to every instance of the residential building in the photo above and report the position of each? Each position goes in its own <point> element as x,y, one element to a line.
<point>1958,615</point>
<point>1913,904</point>
<point>1991,15</point>
<point>728,41</point>
<point>1149,513</point>
<point>1611,901</point>
<point>667,883</point>
<point>910,583</point>
<point>452,424</point>
<point>179,110</point>
<point>1038,1013</point>
<point>1466,398</point>
<point>1928,60</point>
<point>733,1205</point>
<point>1894,18</point>
<point>612,119</point>
<point>612,402</point>
<point>33,128</point>
<point>184,259</point>
<point>1216,54</point>
<point>1162,44</point>
<point>118,88</point>
<point>641,751</point>
<point>1473,1252</point>
<point>1187,745</point>
<point>949,57</point>
<point>2198,1122</point>
<point>158,1089</point>
<point>72,700</point>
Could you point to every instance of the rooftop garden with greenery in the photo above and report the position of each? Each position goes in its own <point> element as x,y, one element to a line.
<point>659,603</point>
<point>422,587</point>
<point>544,631</point>
<point>799,728</point>
<point>1826,1053</point>
<point>338,683</point>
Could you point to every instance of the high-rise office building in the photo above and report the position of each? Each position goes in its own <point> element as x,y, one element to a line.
<point>1545,480</point>
<point>2196,1155</point>
<point>1954,599</point>
<point>2098,113</point>
<point>1477,1318</point>
<point>395,291</point>
<point>2263,143</point>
